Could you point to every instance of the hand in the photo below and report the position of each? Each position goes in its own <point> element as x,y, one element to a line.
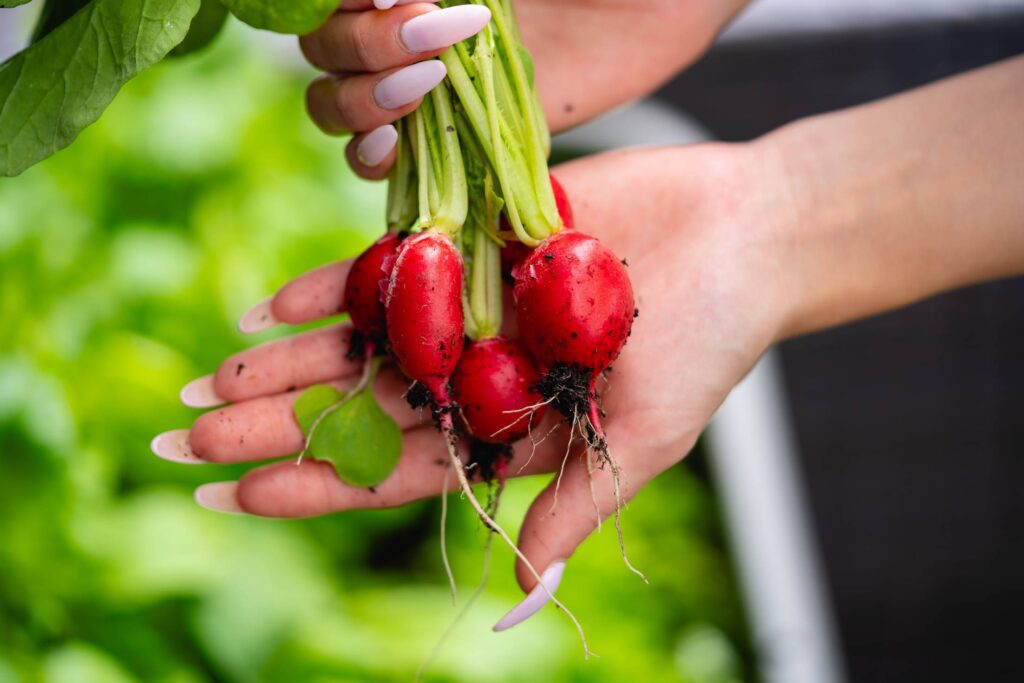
<point>687,220</point>
<point>591,55</point>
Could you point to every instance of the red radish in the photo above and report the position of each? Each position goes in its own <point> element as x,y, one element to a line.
<point>494,389</point>
<point>574,303</point>
<point>562,202</point>
<point>423,309</point>
<point>514,252</point>
<point>362,297</point>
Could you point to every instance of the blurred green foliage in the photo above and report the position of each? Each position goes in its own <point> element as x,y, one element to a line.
<point>124,262</point>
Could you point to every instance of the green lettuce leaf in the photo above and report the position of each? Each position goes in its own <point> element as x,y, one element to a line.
<point>205,27</point>
<point>55,88</point>
<point>53,14</point>
<point>12,3</point>
<point>283,16</point>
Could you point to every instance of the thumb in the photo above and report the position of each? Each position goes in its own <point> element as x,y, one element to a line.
<point>560,519</point>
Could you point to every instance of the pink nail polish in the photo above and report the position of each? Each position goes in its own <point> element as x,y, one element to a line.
<point>376,146</point>
<point>408,84</point>
<point>384,4</point>
<point>174,446</point>
<point>258,318</point>
<point>536,599</point>
<point>442,28</point>
<point>221,496</point>
<point>200,393</point>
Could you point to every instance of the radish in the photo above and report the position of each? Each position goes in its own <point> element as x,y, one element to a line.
<point>494,389</point>
<point>423,311</point>
<point>363,295</point>
<point>575,308</point>
<point>574,303</point>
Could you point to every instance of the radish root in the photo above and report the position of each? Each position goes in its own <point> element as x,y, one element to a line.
<point>448,433</point>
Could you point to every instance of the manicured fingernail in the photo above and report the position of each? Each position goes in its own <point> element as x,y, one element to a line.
<point>221,496</point>
<point>536,599</point>
<point>409,84</point>
<point>174,446</point>
<point>199,393</point>
<point>258,318</point>
<point>376,146</point>
<point>384,4</point>
<point>442,28</point>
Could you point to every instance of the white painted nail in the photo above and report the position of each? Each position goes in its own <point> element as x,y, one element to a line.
<point>409,84</point>
<point>536,599</point>
<point>174,446</point>
<point>384,4</point>
<point>199,393</point>
<point>221,496</point>
<point>258,318</point>
<point>376,146</point>
<point>445,27</point>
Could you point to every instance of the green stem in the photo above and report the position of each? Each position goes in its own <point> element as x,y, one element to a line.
<point>423,167</point>
<point>454,205</point>
<point>535,129</point>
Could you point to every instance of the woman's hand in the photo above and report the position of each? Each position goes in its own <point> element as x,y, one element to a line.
<point>591,55</point>
<point>687,221</point>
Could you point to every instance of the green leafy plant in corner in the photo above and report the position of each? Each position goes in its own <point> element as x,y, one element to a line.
<point>84,51</point>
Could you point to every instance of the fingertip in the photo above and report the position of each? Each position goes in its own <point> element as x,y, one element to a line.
<point>258,318</point>
<point>379,171</point>
<point>377,145</point>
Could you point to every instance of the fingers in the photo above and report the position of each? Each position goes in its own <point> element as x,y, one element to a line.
<point>313,296</point>
<point>352,41</point>
<point>380,67</point>
<point>372,155</point>
<point>367,102</point>
<point>287,364</point>
<point>264,428</point>
<point>284,490</point>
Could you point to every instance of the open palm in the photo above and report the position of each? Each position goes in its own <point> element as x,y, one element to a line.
<point>705,317</point>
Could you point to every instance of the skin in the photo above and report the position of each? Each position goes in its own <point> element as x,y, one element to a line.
<point>825,221</point>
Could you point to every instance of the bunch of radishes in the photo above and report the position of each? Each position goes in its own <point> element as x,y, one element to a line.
<point>472,209</point>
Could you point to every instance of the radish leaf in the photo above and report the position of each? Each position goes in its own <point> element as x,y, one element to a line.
<point>361,440</point>
<point>283,16</point>
<point>12,3</point>
<point>313,402</point>
<point>55,88</point>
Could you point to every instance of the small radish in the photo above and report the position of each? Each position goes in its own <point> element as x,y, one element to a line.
<point>494,389</point>
<point>423,310</point>
<point>362,297</point>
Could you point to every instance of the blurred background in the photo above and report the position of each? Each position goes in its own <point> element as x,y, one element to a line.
<point>126,260</point>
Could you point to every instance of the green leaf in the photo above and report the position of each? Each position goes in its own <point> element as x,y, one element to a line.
<point>361,440</point>
<point>205,27</point>
<point>283,16</point>
<point>60,85</point>
<point>312,403</point>
<point>55,13</point>
<point>13,3</point>
<point>527,60</point>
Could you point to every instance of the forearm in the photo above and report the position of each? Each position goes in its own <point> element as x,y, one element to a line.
<point>900,199</point>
